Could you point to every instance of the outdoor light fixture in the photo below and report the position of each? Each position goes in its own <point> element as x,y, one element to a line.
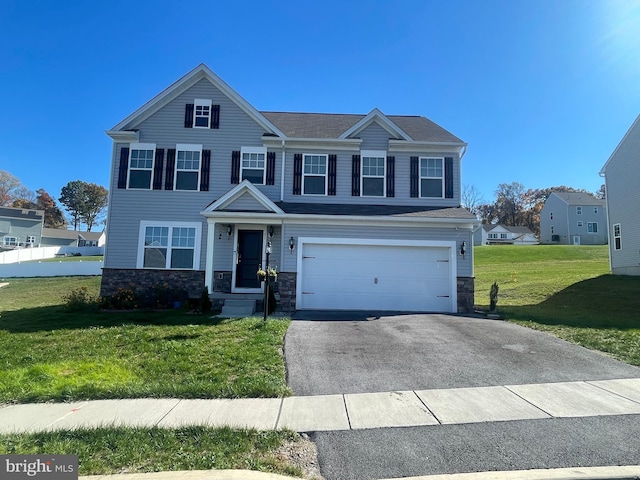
<point>463,248</point>
<point>270,231</point>
<point>292,244</point>
<point>229,231</point>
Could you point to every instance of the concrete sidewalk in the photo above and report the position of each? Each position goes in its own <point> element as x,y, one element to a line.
<point>340,412</point>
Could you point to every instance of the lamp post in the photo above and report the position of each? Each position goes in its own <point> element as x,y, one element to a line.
<point>266,285</point>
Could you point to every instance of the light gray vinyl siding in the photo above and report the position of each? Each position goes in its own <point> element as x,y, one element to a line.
<point>20,229</point>
<point>223,247</point>
<point>565,223</point>
<point>623,202</point>
<point>374,137</point>
<point>464,265</point>
<point>246,202</point>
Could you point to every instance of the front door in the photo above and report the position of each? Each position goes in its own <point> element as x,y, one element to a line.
<point>576,240</point>
<point>249,258</point>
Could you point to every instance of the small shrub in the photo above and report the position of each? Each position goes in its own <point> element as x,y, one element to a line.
<point>79,299</point>
<point>165,295</point>
<point>493,297</point>
<point>123,299</point>
<point>205,301</point>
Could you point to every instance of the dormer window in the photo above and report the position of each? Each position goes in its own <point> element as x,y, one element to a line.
<point>202,113</point>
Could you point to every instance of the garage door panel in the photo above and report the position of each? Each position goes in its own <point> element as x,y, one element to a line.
<point>383,277</point>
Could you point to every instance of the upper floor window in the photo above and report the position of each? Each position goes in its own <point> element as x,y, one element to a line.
<point>201,113</point>
<point>617,237</point>
<point>188,158</point>
<point>314,174</point>
<point>579,210</point>
<point>592,227</point>
<point>253,164</point>
<point>31,239</point>
<point>166,245</point>
<point>373,173</point>
<point>579,224</point>
<point>431,177</point>
<point>141,165</point>
<point>595,210</point>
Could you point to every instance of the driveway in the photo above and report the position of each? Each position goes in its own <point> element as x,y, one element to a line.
<point>355,352</point>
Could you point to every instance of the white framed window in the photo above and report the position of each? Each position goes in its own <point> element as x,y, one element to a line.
<point>617,237</point>
<point>432,177</point>
<point>8,241</point>
<point>372,180</point>
<point>169,245</point>
<point>253,164</point>
<point>503,236</point>
<point>580,223</point>
<point>188,158</point>
<point>31,239</point>
<point>493,235</point>
<point>592,227</point>
<point>314,174</point>
<point>578,210</point>
<point>141,158</point>
<point>552,232</point>
<point>595,210</point>
<point>201,113</point>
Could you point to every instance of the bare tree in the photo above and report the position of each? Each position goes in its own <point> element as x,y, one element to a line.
<point>8,185</point>
<point>471,198</point>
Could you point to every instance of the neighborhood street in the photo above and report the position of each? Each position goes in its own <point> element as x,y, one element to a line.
<point>357,353</point>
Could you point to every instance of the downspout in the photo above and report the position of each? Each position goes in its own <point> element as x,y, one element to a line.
<point>282,174</point>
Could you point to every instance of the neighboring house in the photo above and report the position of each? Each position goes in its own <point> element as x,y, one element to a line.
<point>573,219</point>
<point>504,235</point>
<point>622,187</point>
<point>361,211</point>
<point>20,227</point>
<point>71,238</point>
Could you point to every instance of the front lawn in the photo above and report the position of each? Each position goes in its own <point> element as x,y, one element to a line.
<point>565,290</point>
<point>48,354</point>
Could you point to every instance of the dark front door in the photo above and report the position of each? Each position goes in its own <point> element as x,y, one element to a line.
<point>249,258</point>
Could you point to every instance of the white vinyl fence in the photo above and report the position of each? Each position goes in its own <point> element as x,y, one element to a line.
<point>50,269</point>
<point>40,253</point>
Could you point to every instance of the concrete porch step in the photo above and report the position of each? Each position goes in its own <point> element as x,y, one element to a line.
<point>234,308</point>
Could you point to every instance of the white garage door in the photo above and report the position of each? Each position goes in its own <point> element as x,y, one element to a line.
<point>375,277</point>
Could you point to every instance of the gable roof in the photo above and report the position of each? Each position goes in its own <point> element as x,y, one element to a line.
<point>70,234</point>
<point>334,125</point>
<point>183,84</point>
<point>636,124</point>
<point>578,198</point>
<point>245,187</point>
<point>508,228</point>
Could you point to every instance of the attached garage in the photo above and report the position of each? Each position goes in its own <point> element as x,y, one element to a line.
<point>360,274</point>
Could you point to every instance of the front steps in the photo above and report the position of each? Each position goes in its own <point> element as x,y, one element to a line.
<point>233,308</point>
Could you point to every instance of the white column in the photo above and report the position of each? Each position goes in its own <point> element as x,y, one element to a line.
<point>208,269</point>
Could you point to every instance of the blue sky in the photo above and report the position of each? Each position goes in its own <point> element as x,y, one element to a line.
<point>541,90</point>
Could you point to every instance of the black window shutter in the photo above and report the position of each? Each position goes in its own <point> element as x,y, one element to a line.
<point>333,165</point>
<point>124,166</point>
<point>448,177</point>
<point>415,178</point>
<point>157,169</point>
<point>204,170</point>
<point>235,167</point>
<point>355,176</point>
<point>297,174</point>
<point>171,165</point>
<point>271,168</point>
<point>215,116</point>
<point>188,115</point>
<point>391,176</point>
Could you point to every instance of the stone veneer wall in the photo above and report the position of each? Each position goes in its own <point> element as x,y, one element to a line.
<point>286,287</point>
<point>466,290</point>
<point>144,280</point>
<point>223,284</point>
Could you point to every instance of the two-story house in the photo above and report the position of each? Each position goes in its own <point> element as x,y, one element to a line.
<point>622,180</point>
<point>573,218</point>
<point>360,211</point>
<point>20,227</point>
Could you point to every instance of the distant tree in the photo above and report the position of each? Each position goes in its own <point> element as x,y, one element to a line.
<point>471,199</point>
<point>8,185</point>
<point>53,216</point>
<point>84,201</point>
<point>72,197</point>
<point>24,203</point>
<point>509,203</point>
<point>602,192</point>
<point>96,198</point>
<point>487,213</point>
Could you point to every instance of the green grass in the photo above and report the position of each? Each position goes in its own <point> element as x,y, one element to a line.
<point>565,290</point>
<point>47,353</point>
<point>137,450</point>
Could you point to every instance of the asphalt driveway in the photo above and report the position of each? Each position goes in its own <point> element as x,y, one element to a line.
<point>342,352</point>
